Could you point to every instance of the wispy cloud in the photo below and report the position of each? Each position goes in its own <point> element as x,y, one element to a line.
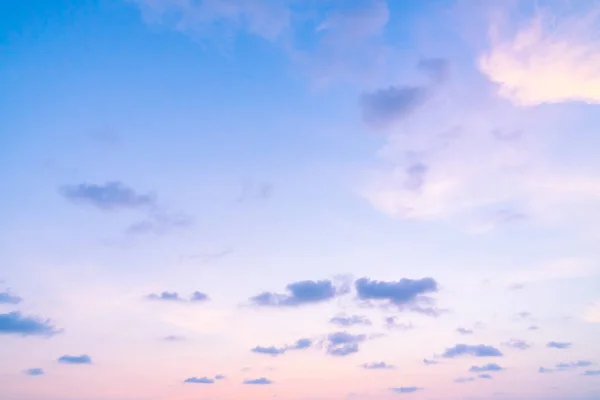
<point>69,359</point>
<point>17,324</point>
<point>465,331</point>
<point>345,320</point>
<point>393,323</point>
<point>559,345</point>
<point>464,380</point>
<point>258,381</point>
<point>195,297</point>
<point>378,365</point>
<point>109,196</point>
<point>479,350</point>
<point>406,389</point>
<point>592,373</point>
<point>492,367</point>
<point>34,372</point>
<point>430,362</point>
<point>517,344</point>
<point>203,380</point>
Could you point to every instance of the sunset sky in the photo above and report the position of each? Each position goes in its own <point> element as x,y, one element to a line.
<point>299,199</point>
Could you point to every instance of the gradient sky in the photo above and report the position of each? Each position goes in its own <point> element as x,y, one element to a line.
<point>299,199</point>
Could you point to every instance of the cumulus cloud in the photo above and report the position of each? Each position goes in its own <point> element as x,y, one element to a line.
<point>204,380</point>
<point>406,389</point>
<point>559,345</point>
<point>17,324</point>
<point>405,294</point>
<point>69,359</point>
<point>517,344</point>
<point>491,367</point>
<point>199,296</point>
<point>7,298</point>
<point>109,196</point>
<point>258,381</point>
<point>479,350</point>
<point>342,344</point>
<point>34,372</point>
<point>378,365</point>
<point>299,293</point>
<point>350,320</point>
<point>552,58</point>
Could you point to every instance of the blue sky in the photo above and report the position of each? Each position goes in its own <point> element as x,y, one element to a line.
<point>299,199</point>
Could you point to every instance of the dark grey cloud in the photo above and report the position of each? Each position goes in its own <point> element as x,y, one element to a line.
<point>199,296</point>
<point>271,350</point>
<point>404,294</point>
<point>559,345</point>
<point>464,380</point>
<point>437,69</point>
<point>7,298</point>
<point>479,350</point>
<point>350,320</point>
<point>485,376</point>
<point>16,324</point>
<point>34,372</point>
<point>299,293</point>
<point>592,373</point>
<point>259,381</point>
<point>393,324</point>
<point>378,365</point>
<point>517,344</point>
<point>430,362</point>
<point>204,380</point>
<point>465,331</point>
<point>491,367</point>
<point>109,196</point>
<point>81,359</point>
<point>383,107</point>
<point>340,344</point>
<point>406,389</point>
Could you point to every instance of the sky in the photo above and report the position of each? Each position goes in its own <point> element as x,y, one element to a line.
<point>299,199</point>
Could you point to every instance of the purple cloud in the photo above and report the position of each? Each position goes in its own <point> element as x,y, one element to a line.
<point>299,293</point>
<point>559,345</point>
<point>479,350</point>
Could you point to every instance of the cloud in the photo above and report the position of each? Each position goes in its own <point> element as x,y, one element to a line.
<point>464,331</point>
<point>7,298</point>
<point>437,69</point>
<point>533,328</point>
<point>301,344</point>
<point>479,350</point>
<point>464,380</point>
<point>203,380</point>
<point>430,362</point>
<point>592,313</point>
<point>259,381</point>
<point>199,296</point>
<point>174,338</point>
<point>394,324</point>
<point>165,296</point>
<point>161,221</point>
<point>220,377</point>
<point>405,293</point>
<point>543,370</point>
<point>108,197</point>
<point>559,345</point>
<point>350,320</point>
<point>16,324</point>
<point>378,365</point>
<point>81,359</point>
<point>406,389</point>
<point>592,373</point>
<point>574,364</point>
<point>517,344</point>
<point>271,350</point>
<point>340,344</point>
<point>553,58</point>
<point>384,107</point>
<point>492,367</point>
<point>255,191</point>
<point>34,372</point>
<point>299,293</point>
<point>485,376</point>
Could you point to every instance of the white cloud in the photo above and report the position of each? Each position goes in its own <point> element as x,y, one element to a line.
<point>553,58</point>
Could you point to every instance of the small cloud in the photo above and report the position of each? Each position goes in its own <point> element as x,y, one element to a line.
<point>437,69</point>
<point>7,298</point>
<point>81,359</point>
<point>271,350</point>
<point>592,373</point>
<point>464,380</point>
<point>299,293</point>
<point>174,338</point>
<point>220,377</point>
<point>485,376</point>
<point>301,344</point>
<point>350,320</point>
<point>378,365</point>
<point>108,197</point>
<point>341,344</point>
<point>533,328</point>
<point>464,331</point>
<point>259,381</point>
<point>543,370</point>
<point>517,344</point>
<point>559,345</point>
<point>405,293</point>
<point>574,364</point>
<point>383,107</point>
<point>34,372</point>
<point>161,221</point>
<point>430,362</point>
<point>523,316</point>
<point>165,296</point>
<point>199,296</point>
<point>16,324</point>
<point>393,324</point>
<point>203,380</point>
<point>479,350</point>
<point>406,389</point>
<point>492,367</point>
